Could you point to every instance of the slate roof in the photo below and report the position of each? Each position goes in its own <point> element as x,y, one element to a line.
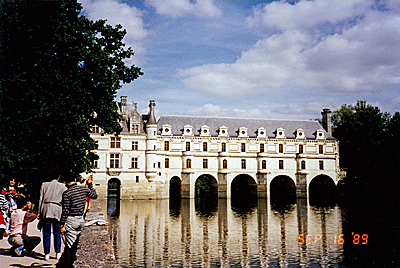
<point>177,123</point>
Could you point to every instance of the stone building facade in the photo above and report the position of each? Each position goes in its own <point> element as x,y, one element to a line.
<point>147,154</point>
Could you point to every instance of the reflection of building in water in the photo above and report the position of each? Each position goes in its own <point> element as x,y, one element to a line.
<point>148,154</point>
<point>146,234</point>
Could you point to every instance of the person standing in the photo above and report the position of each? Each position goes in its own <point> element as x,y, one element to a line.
<point>3,212</point>
<point>72,220</point>
<point>10,192</point>
<point>50,210</point>
<point>18,237</point>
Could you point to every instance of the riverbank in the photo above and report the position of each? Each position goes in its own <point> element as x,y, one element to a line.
<point>95,249</point>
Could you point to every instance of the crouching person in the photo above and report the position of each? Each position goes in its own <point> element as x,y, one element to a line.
<point>19,220</point>
<point>72,221</point>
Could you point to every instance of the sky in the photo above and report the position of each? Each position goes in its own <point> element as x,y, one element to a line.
<point>258,59</point>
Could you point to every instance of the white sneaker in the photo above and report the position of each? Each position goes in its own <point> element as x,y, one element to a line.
<point>58,255</point>
<point>47,257</point>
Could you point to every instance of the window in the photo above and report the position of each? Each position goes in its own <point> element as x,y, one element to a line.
<point>115,142</point>
<point>280,164</point>
<point>166,162</point>
<point>281,148</point>
<point>95,129</point>
<point>303,164</point>
<point>205,163</point>
<point>264,164</point>
<point>223,147</point>
<point>135,129</point>
<point>188,163</point>
<point>243,162</point>
<point>134,162</point>
<point>243,147</point>
<point>96,164</point>
<point>224,164</point>
<point>300,148</point>
<point>321,165</point>
<point>262,148</point>
<point>114,160</point>
<point>166,145</point>
<point>137,178</point>
<point>187,146</point>
<point>321,149</point>
<point>159,165</point>
<point>135,145</point>
<point>204,146</point>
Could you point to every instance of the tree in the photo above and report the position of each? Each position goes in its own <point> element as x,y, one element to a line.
<point>368,143</point>
<point>60,74</point>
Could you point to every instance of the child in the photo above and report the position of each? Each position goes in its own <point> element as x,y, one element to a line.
<point>19,220</point>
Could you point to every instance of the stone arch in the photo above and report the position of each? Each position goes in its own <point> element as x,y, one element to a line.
<point>175,194</point>
<point>114,188</point>
<point>243,194</point>
<point>282,189</point>
<point>206,195</point>
<point>175,187</point>
<point>322,190</point>
<point>113,196</point>
<point>243,184</point>
<point>206,184</point>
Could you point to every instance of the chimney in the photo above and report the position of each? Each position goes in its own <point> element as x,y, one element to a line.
<point>123,104</point>
<point>326,120</point>
<point>152,117</point>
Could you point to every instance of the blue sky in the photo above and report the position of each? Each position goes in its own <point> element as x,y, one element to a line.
<point>259,59</point>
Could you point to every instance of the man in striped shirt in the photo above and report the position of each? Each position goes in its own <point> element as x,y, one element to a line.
<point>72,221</point>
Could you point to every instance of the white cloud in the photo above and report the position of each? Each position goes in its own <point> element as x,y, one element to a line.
<point>179,8</point>
<point>216,110</point>
<point>128,16</point>
<point>323,45</point>
<point>306,15</point>
<point>303,108</point>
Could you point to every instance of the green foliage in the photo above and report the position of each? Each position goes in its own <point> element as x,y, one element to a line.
<point>203,186</point>
<point>368,143</point>
<point>60,74</point>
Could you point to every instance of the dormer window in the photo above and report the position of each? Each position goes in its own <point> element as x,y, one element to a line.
<point>320,134</point>
<point>166,130</point>
<point>135,129</point>
<point>223,131</point>
<point>243,132</point>
<point>261,132</point>
<point>188,130</point>
<point>300,134</point>
<point>205,131</point>
<point>95,129</point>
<point>280,133</point>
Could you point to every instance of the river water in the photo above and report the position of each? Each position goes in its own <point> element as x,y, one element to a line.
<point>216,233</point>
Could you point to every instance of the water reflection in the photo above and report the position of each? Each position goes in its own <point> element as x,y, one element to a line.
<point>206,205</point>
<point>217,232</point>
<point>113,206</point>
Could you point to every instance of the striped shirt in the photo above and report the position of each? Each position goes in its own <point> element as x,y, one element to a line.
<point>74,200</point>
<point>3,203</point>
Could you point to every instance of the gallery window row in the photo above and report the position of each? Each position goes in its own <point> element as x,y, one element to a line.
<point>115,142</point>
<point>243,147</point>
<point>115,163</point>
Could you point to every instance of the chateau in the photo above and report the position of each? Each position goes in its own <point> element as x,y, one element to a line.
<point>149,155</point>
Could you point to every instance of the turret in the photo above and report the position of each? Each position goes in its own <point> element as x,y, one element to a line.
<point>151,153</point>
<point>152,117</point>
